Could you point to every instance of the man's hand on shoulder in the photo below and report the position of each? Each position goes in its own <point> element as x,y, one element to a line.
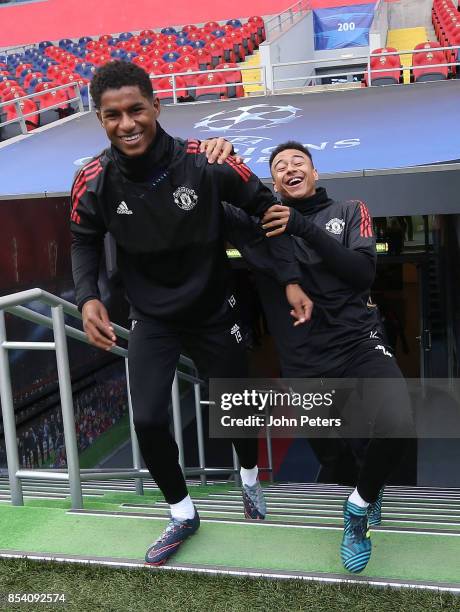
<point>302,306</point>
<point>96,324</point>
<point>218,149</point>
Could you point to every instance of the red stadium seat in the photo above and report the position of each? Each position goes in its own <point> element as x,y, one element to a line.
<point>203,58</point>
<point>216,51</point>
<point>30,76</point>
<point>190,28</point>
<point>229,53</point>
<point>426,66</point>
<point>210,26</point>
<point>186,50</point>
<point>167,83</point>
<point>391,76</point>
<point>260,26</point>
<point>233,79</point>
<point>187,61</point>
<point>171,68</point>
<point>26,106</point>
<point>143,61</point>
<point>215,92</point>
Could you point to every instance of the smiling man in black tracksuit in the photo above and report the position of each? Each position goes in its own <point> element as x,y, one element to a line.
<point>334,245</point>
<point>161,202</point>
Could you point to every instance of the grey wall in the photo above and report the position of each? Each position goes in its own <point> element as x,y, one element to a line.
<point>294,44</point>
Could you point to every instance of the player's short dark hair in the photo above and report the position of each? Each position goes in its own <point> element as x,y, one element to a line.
<point>289,144</point>
<point>117,74</point>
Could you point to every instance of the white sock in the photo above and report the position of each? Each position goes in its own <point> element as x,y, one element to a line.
<point>183,510</point>
<point>355,498</point>
<point>249,477</point>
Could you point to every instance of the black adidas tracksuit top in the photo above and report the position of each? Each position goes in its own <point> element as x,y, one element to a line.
<point>164,211</point>
<point>335,247</point>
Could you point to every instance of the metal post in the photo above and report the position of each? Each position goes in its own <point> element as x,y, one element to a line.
<point>137,458</point>
<point>174,89</point>
<point>9,424</point>
<point>236,466</point>
<point>68,419</point>
<point>199,432</point>
<point>22,121</point>
<point>279,22</point>
<point>177,420</point>
<point>80,99</point>
<point>269,448</point>
<point>369,71</point>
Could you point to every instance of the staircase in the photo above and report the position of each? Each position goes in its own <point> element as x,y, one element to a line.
<point>418,543</point>
<point>250,76</point>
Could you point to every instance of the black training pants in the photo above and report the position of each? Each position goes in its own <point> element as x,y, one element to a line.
<point>216,347</point>
<point>393,417</point>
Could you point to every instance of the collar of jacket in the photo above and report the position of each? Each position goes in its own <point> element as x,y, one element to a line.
<point>145,167</point>
<point>311,205</point>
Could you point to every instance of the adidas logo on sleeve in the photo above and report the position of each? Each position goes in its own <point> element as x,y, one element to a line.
<point>123,209</point>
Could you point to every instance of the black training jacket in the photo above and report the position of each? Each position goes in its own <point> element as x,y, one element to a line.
<point>335,247</point>
<point>164,211</point>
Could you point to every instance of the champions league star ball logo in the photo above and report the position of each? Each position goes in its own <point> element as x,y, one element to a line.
<point>245,118</point>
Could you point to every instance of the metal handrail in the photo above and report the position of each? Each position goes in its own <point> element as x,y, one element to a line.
<point>21,116</point>
<point>59,307</point>
<point>300,6</point>
<point>174,75</point>
<point>367,57</point>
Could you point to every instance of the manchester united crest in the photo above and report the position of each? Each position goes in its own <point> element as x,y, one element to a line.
<point>335,226</point>
<point>185,198</point>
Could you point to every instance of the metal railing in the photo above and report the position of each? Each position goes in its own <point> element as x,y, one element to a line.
<point>310,79</point>
<point>21,117</point>
<point>175,89</point>
<point>74,475</point>
<point>276,23</point>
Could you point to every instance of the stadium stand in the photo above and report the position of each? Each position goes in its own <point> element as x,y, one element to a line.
<point>166,52</point>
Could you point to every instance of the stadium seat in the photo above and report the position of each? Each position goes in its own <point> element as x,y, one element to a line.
<point>229,53</point>
<point>45,43</point>
<point>170,56</point>
<point>216,52</point>
<point>426,66</point>
<point>391,76</point>
<point>189,28</point>
<point>171,68</point>
<point>190,80</point>
<point>168,31</point>
<point>210,26</point>
<point>259,22</point>
<point>64,42</point>
<point>143,61</point>
<point>210,86</point>
<point>203,58</point>
<point>14,129</point>
<point>233,80</point>
<point>125,36</point>
<point>236,23</point>
<point>147,33</point>
<point>185,50</point>
<point>167,97</point>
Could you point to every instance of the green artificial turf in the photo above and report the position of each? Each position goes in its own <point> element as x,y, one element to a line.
<point>92,588</point>
<point>395,555</point>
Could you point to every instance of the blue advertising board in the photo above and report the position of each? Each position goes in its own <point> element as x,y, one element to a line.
<point>343,26</point>
<point>372,128</point>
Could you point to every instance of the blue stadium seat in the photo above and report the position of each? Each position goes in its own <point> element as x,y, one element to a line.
<point>181,41</point>
<point>169,30</point>
<point>118,54</point>
<point>236,23</point>
<point>171,56</point>
<point>112,41</point>
<point>44,44</point>
<point>125,36</point>
<point>198,44</point>
<point>219,33</point>
<point>65,42</point>
<point>84,39</point>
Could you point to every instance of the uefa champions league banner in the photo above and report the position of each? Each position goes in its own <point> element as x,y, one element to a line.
<point>345,131</point>
<point>343,26</point>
